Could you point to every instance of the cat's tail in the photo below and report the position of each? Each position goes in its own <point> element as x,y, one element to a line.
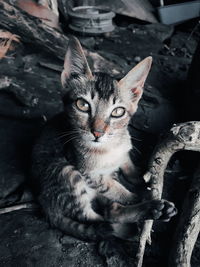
<point>86,231</point>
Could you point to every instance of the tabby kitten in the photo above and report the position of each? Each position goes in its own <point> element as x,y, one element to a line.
<point>80,153</point>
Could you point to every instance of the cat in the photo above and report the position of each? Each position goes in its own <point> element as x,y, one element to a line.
<point>80,154</point>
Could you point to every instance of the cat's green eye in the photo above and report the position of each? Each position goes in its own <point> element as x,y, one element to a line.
<point>82,105</point>
<point>118,112</point>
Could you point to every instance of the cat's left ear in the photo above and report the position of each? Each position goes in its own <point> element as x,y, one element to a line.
<point>134,81</point>
<point>75,61</point>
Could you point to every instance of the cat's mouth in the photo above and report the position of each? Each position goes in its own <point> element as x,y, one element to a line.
<point>96,140</point>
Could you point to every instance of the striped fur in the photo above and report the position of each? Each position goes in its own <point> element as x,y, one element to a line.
<point>79,155</point>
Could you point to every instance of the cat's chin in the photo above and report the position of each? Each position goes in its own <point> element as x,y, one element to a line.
<point>96,144</point>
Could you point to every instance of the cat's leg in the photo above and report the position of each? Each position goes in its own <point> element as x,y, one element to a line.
<point>115,191</point>
<point>129,231</point>
<point>122,218</point>
<point>72,208</point>
<point>66,202</point>
<point>81,194</point>
<point>126,231</point>
<point>130,171</point>
<point>154,209</point>
<point>94,231</point>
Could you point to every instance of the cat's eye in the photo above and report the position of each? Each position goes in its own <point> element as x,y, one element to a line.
<point>82,105</point>
<point>118,112</point>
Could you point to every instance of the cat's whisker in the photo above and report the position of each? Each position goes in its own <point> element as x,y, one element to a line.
<point>67,134</point>
<point>74,137</point>
<point>131,136</point>
<point>83,131</point>
<point>71,132</point>
<point>139,152</point>
<point>134,138</point>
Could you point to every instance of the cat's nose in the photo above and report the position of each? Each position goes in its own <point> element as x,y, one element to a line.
<point>98,133</point>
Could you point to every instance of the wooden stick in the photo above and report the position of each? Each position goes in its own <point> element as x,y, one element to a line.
<point>185,136</point>
<point>18,207</point>
<point>188,229</point>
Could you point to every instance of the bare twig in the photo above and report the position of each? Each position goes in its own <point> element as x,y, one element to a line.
<point>185,136</point>
<point>18,207</point>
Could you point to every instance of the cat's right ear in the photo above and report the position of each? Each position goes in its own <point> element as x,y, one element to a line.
<point>134,81</point>
<point>75,61</point>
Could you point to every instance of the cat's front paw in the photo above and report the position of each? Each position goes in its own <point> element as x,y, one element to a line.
<point>160,210</point>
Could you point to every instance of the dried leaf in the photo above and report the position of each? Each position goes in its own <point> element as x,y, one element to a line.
<point>9,35</point>
<point>6,39</point>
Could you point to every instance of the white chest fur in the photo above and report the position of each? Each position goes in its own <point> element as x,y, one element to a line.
<point>109,161</point>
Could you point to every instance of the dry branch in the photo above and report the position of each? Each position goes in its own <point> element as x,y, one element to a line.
<point>185,136</point>
<point>188,228</point>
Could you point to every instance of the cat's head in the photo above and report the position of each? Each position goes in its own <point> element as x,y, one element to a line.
<point>98,106</point>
